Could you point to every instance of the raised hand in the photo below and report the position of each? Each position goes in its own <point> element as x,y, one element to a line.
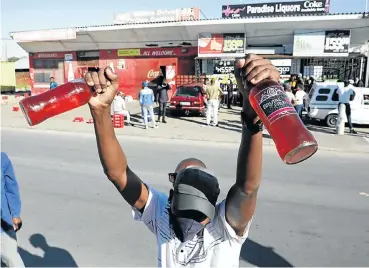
<point>105,84</point>
<point>248,72</point>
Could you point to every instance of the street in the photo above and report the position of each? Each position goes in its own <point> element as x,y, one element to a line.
<point>311,214</point>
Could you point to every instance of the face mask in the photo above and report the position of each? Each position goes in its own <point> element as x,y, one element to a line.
<point>189,227</point>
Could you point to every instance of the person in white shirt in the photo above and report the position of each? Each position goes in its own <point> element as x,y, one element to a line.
<point>290,96</point>
<point>347,94</point>
<point>300,95</point>
<point>191,229</point>
<point>119,107</point>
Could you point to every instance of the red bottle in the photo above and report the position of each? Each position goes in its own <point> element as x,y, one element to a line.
<point>292,139</point>
<point>56,101</point>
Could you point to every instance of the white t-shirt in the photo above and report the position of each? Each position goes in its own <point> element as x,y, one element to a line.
<point>300,96</point>
<point>119,105</point>
<point>290,96</point>
<point>345,93</point>
<point>216,246</point>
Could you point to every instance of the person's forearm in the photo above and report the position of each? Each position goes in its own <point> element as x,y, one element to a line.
<point>249,162</point>
<point>111,154</point>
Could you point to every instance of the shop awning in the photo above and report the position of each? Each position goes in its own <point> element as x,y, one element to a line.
<point>259,32</point>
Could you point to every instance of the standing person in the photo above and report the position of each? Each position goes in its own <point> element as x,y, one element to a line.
<point>288,90</point>
<point>213,92</point>
<point>162,98</point>
<point>300,96</point>
<point>53,83</point>
<point>229,94</point>
<point>119,107</point>
<point>191,229</point>
<point>347,94</point>
<point>10,214</point>
<point>147,99</point>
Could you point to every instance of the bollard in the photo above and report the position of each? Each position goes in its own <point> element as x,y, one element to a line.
<point>340,128</point>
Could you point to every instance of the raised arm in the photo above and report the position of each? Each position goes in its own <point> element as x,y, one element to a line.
<point>112,157</point>
<point>241,198</point>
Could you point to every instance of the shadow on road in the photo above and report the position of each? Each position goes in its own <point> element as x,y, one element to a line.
<point>261,256</point>
<point>53,256</point>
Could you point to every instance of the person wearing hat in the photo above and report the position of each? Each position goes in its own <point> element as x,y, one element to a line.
<point>192,229</point>
<point>147,99</point>
<point>347,94</point>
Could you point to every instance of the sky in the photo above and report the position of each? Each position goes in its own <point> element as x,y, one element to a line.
<point>23,15</point>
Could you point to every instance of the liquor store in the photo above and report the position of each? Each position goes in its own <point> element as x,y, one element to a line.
<point>184,48</point>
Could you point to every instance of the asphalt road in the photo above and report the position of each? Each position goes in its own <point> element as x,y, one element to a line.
<point>310,214</point>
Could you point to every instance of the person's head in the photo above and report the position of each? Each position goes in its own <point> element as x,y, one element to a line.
<point>38,241</point>
<point>299,86</point>
<point>144,84</point>
<point>293,77</point>
<point>52,79</point>
<point>299,75</point>
<point>357,79</point>
<point>195,191</point>
<point>287,87</point>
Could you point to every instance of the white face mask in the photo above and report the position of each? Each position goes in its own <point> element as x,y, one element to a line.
<point>189,228</point>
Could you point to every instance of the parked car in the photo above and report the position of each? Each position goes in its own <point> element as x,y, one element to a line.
<point>323,100</point>
<point>188,99</point>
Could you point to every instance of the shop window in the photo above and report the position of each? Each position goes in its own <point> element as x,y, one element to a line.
<point>46,63</point>
<point>42,77</point>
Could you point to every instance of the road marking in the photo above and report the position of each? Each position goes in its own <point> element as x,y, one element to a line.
<point>364,194</point>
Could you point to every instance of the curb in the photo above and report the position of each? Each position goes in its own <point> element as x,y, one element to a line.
<point>266,142</point>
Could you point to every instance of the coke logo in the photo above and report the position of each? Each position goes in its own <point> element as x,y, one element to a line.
<point>313,4</point>
<point>152,74</point>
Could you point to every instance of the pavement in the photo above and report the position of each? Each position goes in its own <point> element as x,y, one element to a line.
<point>311,214</point>
<point>185,127</point>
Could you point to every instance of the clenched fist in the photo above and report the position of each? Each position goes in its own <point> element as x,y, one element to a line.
<point>248,72</point>
<point>105,84</point>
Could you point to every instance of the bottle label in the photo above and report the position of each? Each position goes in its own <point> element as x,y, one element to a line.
<point>274,103</point>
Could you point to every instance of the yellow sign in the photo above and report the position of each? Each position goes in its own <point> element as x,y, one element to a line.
<point>129,52</point>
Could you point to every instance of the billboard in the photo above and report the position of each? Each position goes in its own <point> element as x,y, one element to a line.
<point>276,9</point>
<point>160,15</point>
<point>310,43</point>
<point>221,45</point>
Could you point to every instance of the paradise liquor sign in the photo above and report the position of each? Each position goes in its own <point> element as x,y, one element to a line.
<point>221,45</point>
<point>276,8</point>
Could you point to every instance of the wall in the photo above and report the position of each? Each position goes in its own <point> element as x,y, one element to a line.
<point>7,76</point>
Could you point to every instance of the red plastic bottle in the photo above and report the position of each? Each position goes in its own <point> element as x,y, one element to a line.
<point>53,102</point>
<point>293,140</point>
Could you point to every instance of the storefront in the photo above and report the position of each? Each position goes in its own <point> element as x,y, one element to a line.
<point>300,37</point>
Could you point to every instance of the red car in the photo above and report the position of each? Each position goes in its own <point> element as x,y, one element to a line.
<point>188,99</point>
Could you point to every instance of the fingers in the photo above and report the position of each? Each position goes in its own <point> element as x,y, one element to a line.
<point>112,77</point>
<point>254,69</point>
<point>88,79</point>
<point>102,80</point>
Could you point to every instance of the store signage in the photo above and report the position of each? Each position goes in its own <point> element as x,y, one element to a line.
<point>129,52</point>
<point>54,55</point>
<point>224,67</point>
<point>157,52</point>
<point>337,41</point>
<point>160,15</point>
<point>221,45</point>
<point>277,9</point>
<point>283,66</point>
<point>312,43</point>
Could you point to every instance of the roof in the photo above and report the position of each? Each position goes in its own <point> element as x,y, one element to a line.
<point>259,31</point>
<point>22,63</point>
